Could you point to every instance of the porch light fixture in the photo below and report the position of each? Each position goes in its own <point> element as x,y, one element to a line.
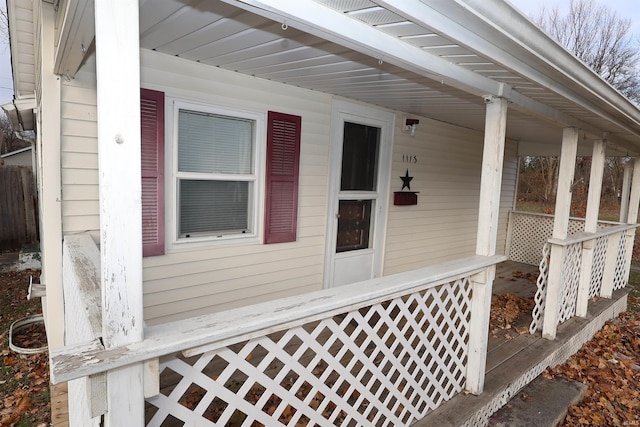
<point>410,126</point>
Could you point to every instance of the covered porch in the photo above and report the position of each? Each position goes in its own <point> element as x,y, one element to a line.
<point>390,350</point>
<point>398,350</point>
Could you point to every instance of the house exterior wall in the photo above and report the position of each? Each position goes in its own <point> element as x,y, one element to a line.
<point>508,193</point>
<point>79,154</point>
<point>193,280</point>
<point>445,163</point>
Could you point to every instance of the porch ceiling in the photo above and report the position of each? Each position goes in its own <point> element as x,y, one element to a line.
<point>430,58</point>
<point>361,49</point>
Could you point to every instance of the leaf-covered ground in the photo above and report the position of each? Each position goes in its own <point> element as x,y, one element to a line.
<point>24,379</point>
<point>609,365</point>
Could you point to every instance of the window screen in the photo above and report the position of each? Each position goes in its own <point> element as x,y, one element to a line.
<point>215,174</point>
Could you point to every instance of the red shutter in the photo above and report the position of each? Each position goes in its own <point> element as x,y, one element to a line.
<point>152,131</point>
<point>283,155</point>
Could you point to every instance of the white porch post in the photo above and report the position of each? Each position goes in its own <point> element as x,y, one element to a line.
<point>560,230</point>
<point>591,225</point>
<point>49,180</point>
<point>489,209</point>
<point>625,191</point>
<point>632,216</point>
<point>118,88</point>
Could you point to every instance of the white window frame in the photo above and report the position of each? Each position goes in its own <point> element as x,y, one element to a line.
<point>255,179</point>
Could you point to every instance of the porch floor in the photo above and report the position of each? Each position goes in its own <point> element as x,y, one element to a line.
<point>514,360</point>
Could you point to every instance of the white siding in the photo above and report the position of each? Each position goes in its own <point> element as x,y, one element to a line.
<point>23,52</point>
<point>191,281</point>
<point>508,192</point>
<point>79,157</point>
<point>442,226</point>
<point>446,173</point>
<point>199,279</point>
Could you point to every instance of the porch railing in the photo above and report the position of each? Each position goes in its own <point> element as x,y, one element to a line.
<point>381,352</point>
<point>592,265</point>
<point>529,232</point>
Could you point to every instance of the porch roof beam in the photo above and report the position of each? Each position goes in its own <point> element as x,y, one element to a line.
<point>314,18</point>
<point>437,16</point>
<point>519,32</point>
<point>76,32</point>
<point>321,21</point>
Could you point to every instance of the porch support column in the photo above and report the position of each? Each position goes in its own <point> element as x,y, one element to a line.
<point>625,191</point>
<point>560,230</point>
<point>50,181</point>
<point>118,89</point>
<point>591,225</point>
<point>489,209</point>
<point>632,216</point>
<point>614,248</point>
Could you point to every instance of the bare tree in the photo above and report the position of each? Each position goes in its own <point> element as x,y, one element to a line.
<point>601,39</point>
<point>4,25</point>
<point>604,42</point>
<point>10,141</point>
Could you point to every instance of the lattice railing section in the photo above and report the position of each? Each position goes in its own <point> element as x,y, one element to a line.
<point>541,294</point>
<point>597,268</point>
<point>621,273</point>
<point>570,281</point>
<point>604,240</point>
<point>530,231</point>
<point>384,364</point>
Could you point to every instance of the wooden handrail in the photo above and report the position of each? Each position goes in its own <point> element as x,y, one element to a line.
<point>583,237</point>
<point>207,332</point>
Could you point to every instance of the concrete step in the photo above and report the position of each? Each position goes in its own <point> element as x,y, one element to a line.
<point>542,403</point>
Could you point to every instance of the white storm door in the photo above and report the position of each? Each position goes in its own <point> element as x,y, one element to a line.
<point>359,197</point>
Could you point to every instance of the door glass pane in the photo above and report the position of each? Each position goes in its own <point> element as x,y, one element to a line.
<point>359,157</point>
<point>354,225</point>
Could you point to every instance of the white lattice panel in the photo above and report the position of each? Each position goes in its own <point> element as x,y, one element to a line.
<point>597,268</point>
<point>385,365</point>
<point>621,274</point>
<point>538,310</point>
<point>530,231</point>
<point>570,281</point>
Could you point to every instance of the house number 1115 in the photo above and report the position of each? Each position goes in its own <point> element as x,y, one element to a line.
<point>408,158</point>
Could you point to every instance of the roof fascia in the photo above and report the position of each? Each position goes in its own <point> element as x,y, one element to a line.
<point>518,30</point>
<point>313,18</point>
<point>76,31</point>
<point>319,20</point>
<point>14,41</point>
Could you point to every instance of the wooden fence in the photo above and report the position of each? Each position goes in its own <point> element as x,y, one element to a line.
<point>18,224</point>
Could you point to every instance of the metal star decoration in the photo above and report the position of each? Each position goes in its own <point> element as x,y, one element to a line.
<point>406,180</point>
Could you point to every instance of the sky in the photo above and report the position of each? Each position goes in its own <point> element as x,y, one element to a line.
<point>624,8</point>
<point>629,9</point>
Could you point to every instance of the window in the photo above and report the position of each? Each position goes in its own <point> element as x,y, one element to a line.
<point>216,173</point>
